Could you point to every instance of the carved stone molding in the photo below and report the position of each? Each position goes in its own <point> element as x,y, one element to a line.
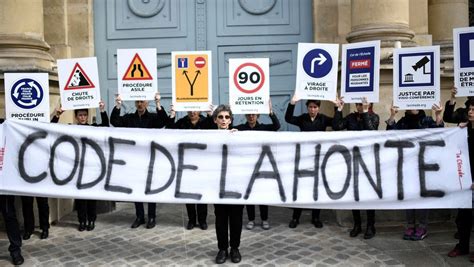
<point>386,33</point>
<point>251,6</point>
<point>147,8</point>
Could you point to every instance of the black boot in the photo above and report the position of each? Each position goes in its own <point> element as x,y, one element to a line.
<point>44,234</point>
<point>82,226</point>
<point>138,222</point>
<point>221,256</point>
<point>26,235</point>
<point>293,223</point>
<point>370,232</point>
<point>17,259</point>
<point>355,231</point>
<point>151,223</point>
<point>91,226</point>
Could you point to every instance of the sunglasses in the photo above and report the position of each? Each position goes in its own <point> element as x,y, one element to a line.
<point>220,117</point>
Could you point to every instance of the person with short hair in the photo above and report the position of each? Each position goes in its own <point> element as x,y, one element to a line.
<point>252,124</point>
<point>86,208</point>
<point>415,119</point>
<point>313,120</point>
<point>141,118</point>
<point>364,118</point>
<point>228,216</point>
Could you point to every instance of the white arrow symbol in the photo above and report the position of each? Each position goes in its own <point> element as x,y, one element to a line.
<point>33,85</point>
<point>321,60</point>
<point>33,103</point>
<point>17,88</point>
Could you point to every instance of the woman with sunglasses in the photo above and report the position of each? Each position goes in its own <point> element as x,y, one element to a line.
<point>228,217</point>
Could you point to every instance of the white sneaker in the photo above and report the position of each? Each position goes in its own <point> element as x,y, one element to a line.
<point>265,225</point>
<point>250,225</point>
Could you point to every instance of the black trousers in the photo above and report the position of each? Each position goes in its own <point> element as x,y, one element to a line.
<point>314,214</point>
<point>86,210</point>
<point>201,212</point>
<point>140,212</point>
<point>464,223</point>
<point>251,212</point>
<point>7,205</point>
<point>228,218</point>
<point>370,217</point>
<point>29,216</point>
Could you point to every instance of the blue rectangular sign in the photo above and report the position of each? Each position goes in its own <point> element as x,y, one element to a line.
<point>360,69</point>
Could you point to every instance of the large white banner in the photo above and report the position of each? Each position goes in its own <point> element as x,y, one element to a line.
<point>249,85</point>
<point>338,170</point>
<point>463,39</point>
<point>27,96</point>
<point>137,73</point>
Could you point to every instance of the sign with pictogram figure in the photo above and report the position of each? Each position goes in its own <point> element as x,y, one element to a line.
<point>137,73</point>
<point>316,76</point>
<point>416,77</point>
<point>79,83</point>
<point>27,96</point>
<point>463,39</point>
<point>192,80</point>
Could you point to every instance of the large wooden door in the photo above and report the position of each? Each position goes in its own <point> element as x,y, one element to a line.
<point>228,28</point>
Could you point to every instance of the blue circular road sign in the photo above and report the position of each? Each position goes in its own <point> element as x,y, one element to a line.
<point>27,93</point>
<point>317,63</point>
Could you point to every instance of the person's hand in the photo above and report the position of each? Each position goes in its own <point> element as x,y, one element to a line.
<point>338,103</point>
<point>157,99</point>
<point>58,111</point>
<point>462,124</point>
<point>172,112</point>
<point>294,99</point>
<point>365,104</point>
<point>118,101</point>
<point>437,109</point>
<point>270,106</point>
<point>454,92</point>
<point>233,130</point>
<point>393,111</point>
<point>101,106</point>
<point>211,109</point>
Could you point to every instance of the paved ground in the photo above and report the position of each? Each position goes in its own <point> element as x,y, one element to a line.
<point>113,243</point>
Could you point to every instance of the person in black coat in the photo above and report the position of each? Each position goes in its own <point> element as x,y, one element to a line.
<point>252,124</point>
<point>307,122</point>
<point>464,219</point>
<point>415,119</point>
<point>228,216</point>
<point>141,119</point>
<point>362,119</point>
<point>460,114</point>
<point>7,206</point>
<point>86,208</point>
<point>192,121</point>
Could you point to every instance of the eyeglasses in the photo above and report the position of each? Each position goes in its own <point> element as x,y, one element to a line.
<point>220,117</point>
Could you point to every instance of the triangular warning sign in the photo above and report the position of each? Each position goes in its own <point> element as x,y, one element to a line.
<point>78,79</point>
<point>137,70</point>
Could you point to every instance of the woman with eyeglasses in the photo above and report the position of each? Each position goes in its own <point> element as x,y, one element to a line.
<point>228,217</point>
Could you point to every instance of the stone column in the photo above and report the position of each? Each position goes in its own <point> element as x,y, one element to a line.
<point>22,45</point>
<point>444,16</point>
<point>387,21</point>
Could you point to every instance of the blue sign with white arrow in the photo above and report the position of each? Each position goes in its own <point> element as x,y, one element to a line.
<point>27,93</point>
<point>317,63</point>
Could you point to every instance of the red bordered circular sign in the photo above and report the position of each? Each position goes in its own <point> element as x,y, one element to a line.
<point>254,77</point>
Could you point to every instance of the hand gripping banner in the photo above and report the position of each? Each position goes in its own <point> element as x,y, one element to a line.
<point>337,170</point>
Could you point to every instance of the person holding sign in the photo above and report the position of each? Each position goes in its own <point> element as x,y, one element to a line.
<point>362,119</point>
<point>460,114</point>
<point>86,208</point>
<point>7,206</point>
<point>228,217</point>
<point>464,219</point>
<point>252,124</point>
<point>192,121</point>
<point>415,119</point>
<point>141,119</point>
<point>307,122</point>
